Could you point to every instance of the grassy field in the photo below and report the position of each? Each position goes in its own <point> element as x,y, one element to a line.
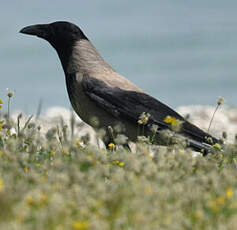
<point>53,182</point>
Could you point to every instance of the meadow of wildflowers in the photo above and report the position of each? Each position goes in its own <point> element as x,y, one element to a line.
<point>58,181</point>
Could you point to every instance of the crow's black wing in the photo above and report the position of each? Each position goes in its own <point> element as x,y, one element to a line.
<point>129,105</point>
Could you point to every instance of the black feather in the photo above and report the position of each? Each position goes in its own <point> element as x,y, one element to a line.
<point>129,105</point>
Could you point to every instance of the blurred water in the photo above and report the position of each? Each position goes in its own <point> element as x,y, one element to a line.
<point>182,52</point>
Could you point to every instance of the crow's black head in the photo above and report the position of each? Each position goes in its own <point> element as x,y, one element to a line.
<point>59,34</point>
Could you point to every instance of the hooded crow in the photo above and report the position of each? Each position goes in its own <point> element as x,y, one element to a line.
<point>103,98</point>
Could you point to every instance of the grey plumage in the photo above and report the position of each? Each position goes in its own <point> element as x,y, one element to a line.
<point>86,60</point>
<point>97,91</point>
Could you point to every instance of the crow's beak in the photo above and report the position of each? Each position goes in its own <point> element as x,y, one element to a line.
<point>40,30</point>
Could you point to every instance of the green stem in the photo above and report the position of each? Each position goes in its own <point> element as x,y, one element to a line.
<point>212,117</point>
<point>8,111</point>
